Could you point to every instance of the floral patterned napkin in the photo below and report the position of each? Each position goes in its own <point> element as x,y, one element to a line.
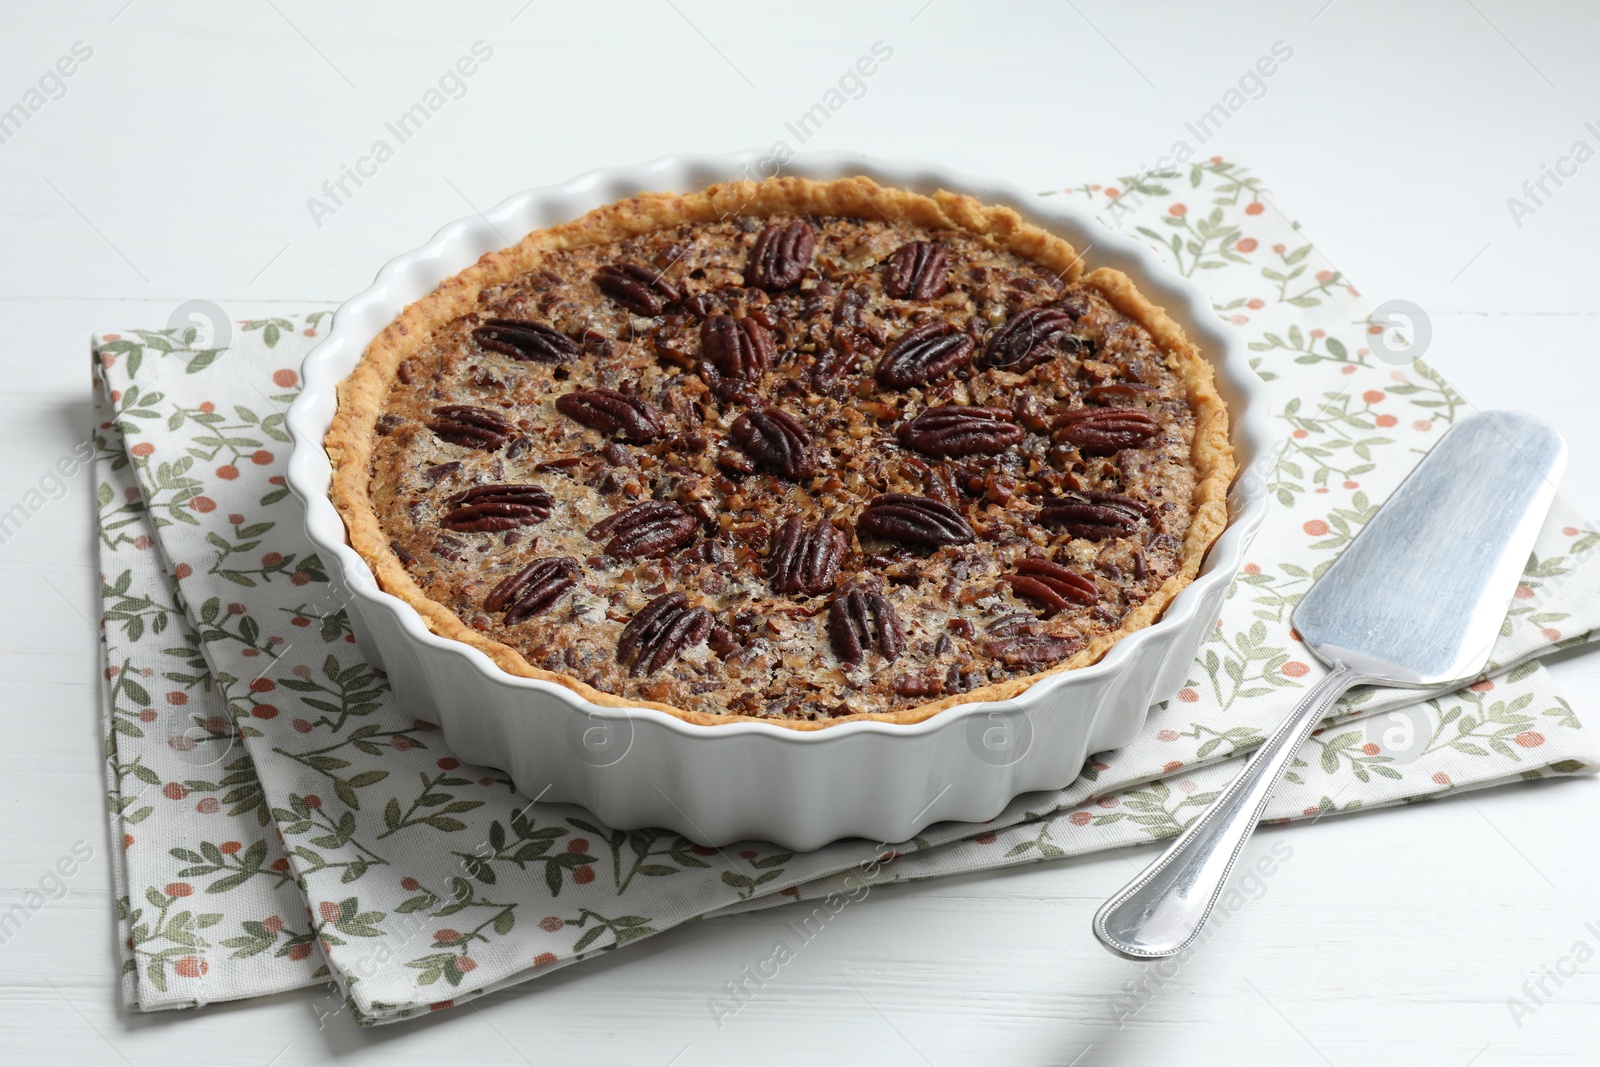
<point>283,823</point>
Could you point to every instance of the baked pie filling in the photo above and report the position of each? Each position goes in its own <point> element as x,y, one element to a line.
<point>792,451</point>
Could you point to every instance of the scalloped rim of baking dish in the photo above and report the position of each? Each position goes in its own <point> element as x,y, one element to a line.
<point>411,275</point>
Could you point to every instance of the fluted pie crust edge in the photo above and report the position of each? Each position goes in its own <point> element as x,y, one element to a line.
<point>351,438</point>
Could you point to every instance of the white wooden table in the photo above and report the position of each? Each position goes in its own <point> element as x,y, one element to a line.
<point>178,161</point>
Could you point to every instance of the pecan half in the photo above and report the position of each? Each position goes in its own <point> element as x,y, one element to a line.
<point>922,354</point>
<point>1104,431</point>
<point>1033,652</point>
<point>642,290</point>
<point>533,589</point>
<point>954,430</point>
<point>805,559</point>
<point>612,412</point>
<point>1024,341</point>
<point>526,340</point>
<point>776,441</point>
<point>1097,516</point>
<point>781,254</point>
<point>471,427</point>
<point>1052,585</point>
<point>851,629</point>
<point>738,348</point>
<point>660,632</point>
<point>914,520</point>
<point>652,528</point>
<point>918,270</point>
<point>492,508</point>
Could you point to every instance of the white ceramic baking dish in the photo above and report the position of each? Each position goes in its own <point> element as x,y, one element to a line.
<point>717,784</point>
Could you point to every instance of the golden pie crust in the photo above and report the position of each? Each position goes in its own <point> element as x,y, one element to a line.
<point>352,437</point>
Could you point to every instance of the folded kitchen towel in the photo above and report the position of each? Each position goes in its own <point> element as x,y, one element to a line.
<point>282,822</point>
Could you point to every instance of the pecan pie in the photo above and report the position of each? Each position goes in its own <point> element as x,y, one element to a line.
<point>794,451</point>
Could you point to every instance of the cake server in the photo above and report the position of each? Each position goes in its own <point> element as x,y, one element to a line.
<point>1417,599</point>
